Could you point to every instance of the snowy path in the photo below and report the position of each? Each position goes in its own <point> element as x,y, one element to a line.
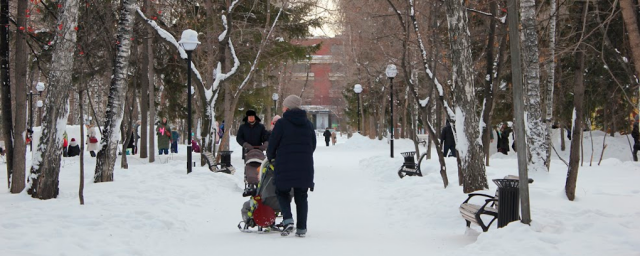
<point>359,207</point>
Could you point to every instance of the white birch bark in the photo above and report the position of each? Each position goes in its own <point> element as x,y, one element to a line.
<point>46,158</point>
<point>106,157</point>
<point>551,72</point>
<point>534,127</point>
<point>466,123</point>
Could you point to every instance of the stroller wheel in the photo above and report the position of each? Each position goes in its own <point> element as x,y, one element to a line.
<point>401,174</point>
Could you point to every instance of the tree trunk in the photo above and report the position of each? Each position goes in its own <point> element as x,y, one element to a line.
<point>488,86</point>
<point>105,160</point>
<point>576,134</point>
<point>551,75</point>
<point>629,10</point>
<point>536,130</point>
<point>146,66</point>
<point>81,187</point>
<point>7,120</point>
<point>20,118</point>
<point>151,119</point>
<point>578,112</point>
<point>46,160</point>
<point>469,149</point>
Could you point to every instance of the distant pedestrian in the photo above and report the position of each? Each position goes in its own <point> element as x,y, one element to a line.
<point>503,142</point>
<point>635,133</point>
<point>333,138</point>
<point>448,141</point>
<point>92,140</point>
<point>194,146</point>
<point>74,148</point>
<point>164,137</point>
<point>327,136</point>
<point>291,148</point>
<point>175,136</point>
<point>65,144</point>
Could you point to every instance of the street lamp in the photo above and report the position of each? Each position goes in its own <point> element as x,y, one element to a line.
<point>391,72</point>
<point>40,89</point>
<point>39,105</point>
<point>358,89</point>
<point>189,42</point>
<point>274,97</point>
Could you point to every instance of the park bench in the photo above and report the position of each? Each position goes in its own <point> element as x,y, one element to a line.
<point>409,166</point>
<point>486,213</point>
<point>213,166</point>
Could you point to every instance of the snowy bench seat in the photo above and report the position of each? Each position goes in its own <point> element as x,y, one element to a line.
<point>210,159</point>
<point>473,213</point>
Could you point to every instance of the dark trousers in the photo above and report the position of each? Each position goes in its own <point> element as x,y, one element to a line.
<point>449,147</point>
<point>636,147</point>
<point>302,206</point>
<point>165,150</point>
<point>174,147</point>
<point>327,141</point>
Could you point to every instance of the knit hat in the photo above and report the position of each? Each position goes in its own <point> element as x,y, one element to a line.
<point>73,139</point>
<point>275,119</point>
<point>292,101</point>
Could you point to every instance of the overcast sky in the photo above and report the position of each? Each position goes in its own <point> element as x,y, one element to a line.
<point>326,9</point>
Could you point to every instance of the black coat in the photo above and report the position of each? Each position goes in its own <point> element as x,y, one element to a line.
<point>446,137</point>
<point>73,150</point>
<point>327,135</point>
<point>254,134</point>
<point>635,133</point>
<point>291,144</point>
<point>504,139</point>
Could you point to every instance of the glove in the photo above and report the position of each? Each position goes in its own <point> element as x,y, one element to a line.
<point>264,147</point>
<point>247,146</point>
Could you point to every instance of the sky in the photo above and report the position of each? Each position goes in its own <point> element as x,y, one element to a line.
<point>327,10</point>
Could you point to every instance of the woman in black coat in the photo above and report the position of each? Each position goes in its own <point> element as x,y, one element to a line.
<point>291,146</point>
<point>327,136</point>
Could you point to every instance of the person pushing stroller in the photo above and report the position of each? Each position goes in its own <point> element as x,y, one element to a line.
<point>252,136</point>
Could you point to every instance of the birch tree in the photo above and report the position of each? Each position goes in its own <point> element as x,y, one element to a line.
<point>551,75</point>
<point>534,127</point>
<point>46,158</point>
<point>106,157</point>
<point>5,79</point>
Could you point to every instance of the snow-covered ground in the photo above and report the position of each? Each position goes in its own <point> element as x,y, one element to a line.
<point>359,207</point>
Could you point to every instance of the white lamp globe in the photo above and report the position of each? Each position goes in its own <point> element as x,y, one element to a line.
<point>391,71</point>
<point>189,40</point>
<point>40,86</point>
<point>357,88</point>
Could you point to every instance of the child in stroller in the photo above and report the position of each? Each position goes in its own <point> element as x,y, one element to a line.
<point>252,160</point>
<point>262,208</point>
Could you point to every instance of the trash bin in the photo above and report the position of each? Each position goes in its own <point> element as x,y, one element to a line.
<point>508,201</point>
<point>409,161</point>
<point>225,159</point>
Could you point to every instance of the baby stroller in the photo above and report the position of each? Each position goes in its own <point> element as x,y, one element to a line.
<point>252,161</point>
<point>262,208</point>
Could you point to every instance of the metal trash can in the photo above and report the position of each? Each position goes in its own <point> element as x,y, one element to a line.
<point>409,161</point>
<point>508,201</point>
<point>225,159</point>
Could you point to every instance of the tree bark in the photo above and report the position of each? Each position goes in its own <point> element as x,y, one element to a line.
<point>105,160</point>
<point>535,128</point>
<point>488,86</point>
<point>20,118</point>
<point>629,10</point>
<point>5,77</point>
<point>470,154</point>
<point>576,133</point>
<point>146,65</point>
<point>46,159</point>
<point>551,75</point>
<point>151,119</point>
<point>81,187</point>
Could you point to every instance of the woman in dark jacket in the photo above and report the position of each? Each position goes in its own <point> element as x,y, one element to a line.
<point>291,144</point>
<point>327,136</point>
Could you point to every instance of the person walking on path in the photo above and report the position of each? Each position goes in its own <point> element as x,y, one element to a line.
<point>447,140</point>
<point>635,133</point>
<point>503,142</point>
<point>327,136</point>
<point>164,137</point>
<point>175,136</point>
<point>291,147</point>
<point>334,138</point>
<point>92,141</point>
<point>74,148</point>
<point>252,133</point>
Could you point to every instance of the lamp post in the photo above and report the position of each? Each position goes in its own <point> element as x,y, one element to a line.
<point>358,89</point>
<point>274,97</point>
<point>39,105</point>
<point>189,42</point>
<point>391,72</point>
<point>40,89</point>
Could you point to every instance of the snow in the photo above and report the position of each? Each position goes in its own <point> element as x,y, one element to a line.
<point>359,207</point>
